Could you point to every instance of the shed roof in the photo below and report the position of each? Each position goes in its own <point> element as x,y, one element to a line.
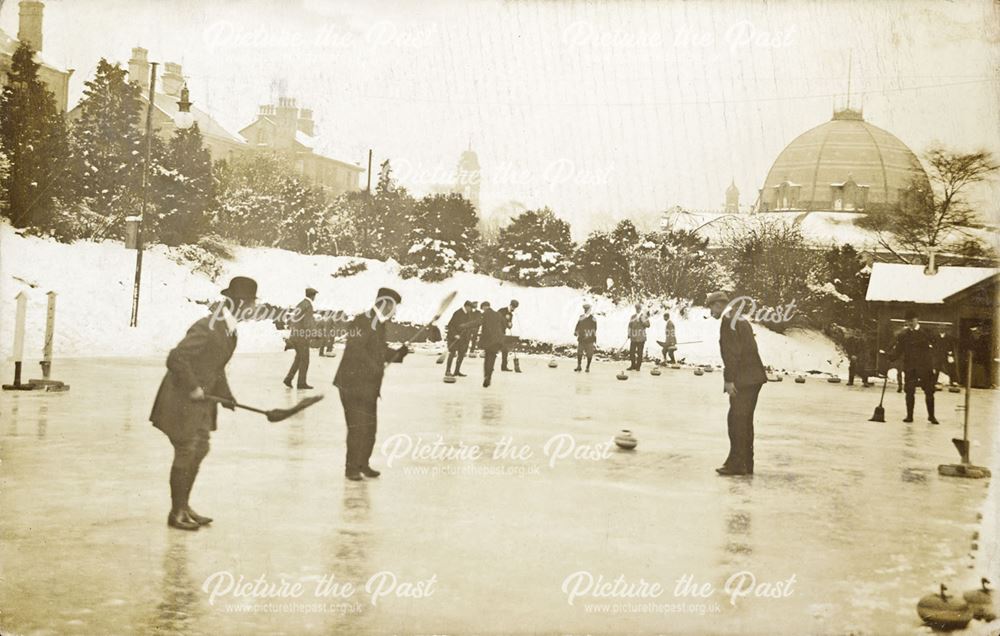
<point>897,282</point>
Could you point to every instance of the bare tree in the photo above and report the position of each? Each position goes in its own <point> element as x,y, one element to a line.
<point>936,215</point>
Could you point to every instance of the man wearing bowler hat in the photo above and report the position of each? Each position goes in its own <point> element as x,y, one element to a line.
<point>914,348</point>
<point>359,379</point>
<point>743,375</point>
<point>303,328</point>
<point>196,368</point>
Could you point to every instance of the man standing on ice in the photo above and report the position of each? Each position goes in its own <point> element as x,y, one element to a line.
<point>491,337</point>
<point>586,337</point>
<point>359,378</point>
<point>915,347</point>
<point>196,367</point>
<point>303,328</point>
<point>459,331</point>
<point>637,326</point>
<point>509,341</point>
<point>669,340</point>
<point>743,375</point>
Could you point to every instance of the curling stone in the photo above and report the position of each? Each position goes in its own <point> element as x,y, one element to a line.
<point>708,368</point>
<point>472,354</point>
<point>655,371</point>
<point>699,371</point>
<point>440,359</point>
<point>954,389</point>
<point>622,375</point>
<point>800,379</point>
<point>553,364</point>
<point>833,379</point>
<point>675,366</point>
<point>449,379</point>
<point>626,440</point>
<point>981,602</point>
<point>943,611</point>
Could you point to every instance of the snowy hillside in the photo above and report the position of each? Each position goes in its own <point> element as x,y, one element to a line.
<point>94,286</point>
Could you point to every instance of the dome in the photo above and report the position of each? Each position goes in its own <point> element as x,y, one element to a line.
<point>845,164</point>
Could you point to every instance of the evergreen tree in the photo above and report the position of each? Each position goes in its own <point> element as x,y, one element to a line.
<point>108,146</point>
<point>443,237</point>
<point>185,189</point>
<point>33,139</point>
<point>263,202</point>
<point>536,249</point>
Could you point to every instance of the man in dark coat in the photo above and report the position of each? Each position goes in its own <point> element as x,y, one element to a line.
<point>637,326</point>
<point>509,341</point>
<point>586,337</point>
<point>359,379</point>
<point>459,332</point>
<point>196,367</point>
<point>914,347</point>
<point>857,347</point>
<point>491,338</point>
<point>743,375</point>
<point>303,328</point>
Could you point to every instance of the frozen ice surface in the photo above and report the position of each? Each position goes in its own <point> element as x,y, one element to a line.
<point>854,510</point>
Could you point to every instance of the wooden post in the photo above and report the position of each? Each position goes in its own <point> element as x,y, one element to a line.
<point>50,322</point>
<point>22,306</point>
<point>968,389</point>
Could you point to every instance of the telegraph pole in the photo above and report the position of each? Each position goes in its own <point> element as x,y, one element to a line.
<point>134,322</point>
<point>369,171</point>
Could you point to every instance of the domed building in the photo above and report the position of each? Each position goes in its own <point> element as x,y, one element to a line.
<point>845,165</point>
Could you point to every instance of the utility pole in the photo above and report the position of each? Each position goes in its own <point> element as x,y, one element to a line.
<point>134,322</point>
<point>369,171</point>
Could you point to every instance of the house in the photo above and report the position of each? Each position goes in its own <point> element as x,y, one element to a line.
<point>30,32</point>
<point>959,302</point>
<point>221,143</point>
<point>285,128</point>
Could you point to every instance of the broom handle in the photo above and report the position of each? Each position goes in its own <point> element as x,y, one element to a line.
<point>884,384</point>
<point>220,400</point>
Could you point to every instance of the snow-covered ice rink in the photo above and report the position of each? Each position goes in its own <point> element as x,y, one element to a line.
<point>846,521</point>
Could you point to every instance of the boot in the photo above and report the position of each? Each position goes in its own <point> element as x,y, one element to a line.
<point>181,521</point>
<point>197,518</point>
<point>909,408</point>
<point>929,400</point>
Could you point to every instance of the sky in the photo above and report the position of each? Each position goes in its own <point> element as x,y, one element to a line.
<point>598,110</point>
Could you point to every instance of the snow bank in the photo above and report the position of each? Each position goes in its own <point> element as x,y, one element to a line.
<point>93,281</point>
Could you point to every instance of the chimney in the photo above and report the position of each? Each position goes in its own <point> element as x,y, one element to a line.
<point>173,80</point>
<point>29,29</point>
<point>931,268</point>
<point>138,68</point>
<point>306,123</point>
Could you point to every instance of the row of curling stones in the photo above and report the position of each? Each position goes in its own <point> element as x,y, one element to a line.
<point>626,440</point>
<point>944,611</point>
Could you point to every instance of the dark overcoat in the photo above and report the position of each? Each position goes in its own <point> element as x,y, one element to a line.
<point>198,360</point>
<point>740,358</point>
<point>365,355</point>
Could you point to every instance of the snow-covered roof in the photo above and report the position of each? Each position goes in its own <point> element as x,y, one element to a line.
<point>209,127</point>
<point>898,282</point>
<point>8,46</point>
<point>305,139</point>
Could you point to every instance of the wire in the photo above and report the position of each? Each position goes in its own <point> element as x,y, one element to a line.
<point>674,103</point>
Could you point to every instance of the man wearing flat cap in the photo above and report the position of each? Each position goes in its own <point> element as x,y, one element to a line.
<point>743,375</point>
<point>359,379</point>
<point>303,328</point>
<point>196,367</point>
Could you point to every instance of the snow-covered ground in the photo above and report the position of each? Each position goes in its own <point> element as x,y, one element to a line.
<point>93,282</point>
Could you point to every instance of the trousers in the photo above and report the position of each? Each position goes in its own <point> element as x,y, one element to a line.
<point>740,424</point>
<point>189,451</point>
<point>361,413</point>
